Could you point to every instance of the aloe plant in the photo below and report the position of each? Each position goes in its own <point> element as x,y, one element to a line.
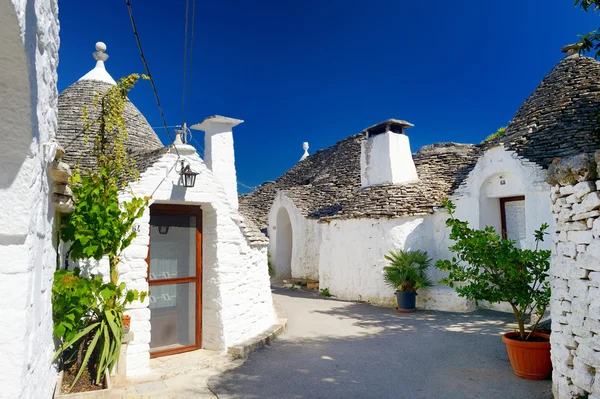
<point>102,326</point>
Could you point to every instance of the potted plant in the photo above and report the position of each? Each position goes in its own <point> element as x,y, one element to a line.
<point>406,273</point>
<point>489,268</point>
<point>88,314</point>
<point>88,311</point>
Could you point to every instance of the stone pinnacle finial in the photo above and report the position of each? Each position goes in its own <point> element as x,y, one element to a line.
<point>305,148</point>
<point>99,54</point>
<point>571,49</point>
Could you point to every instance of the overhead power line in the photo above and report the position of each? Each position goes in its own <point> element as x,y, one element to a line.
<point>190,80</point>
<point>137,39</point>
<point>185,43</point>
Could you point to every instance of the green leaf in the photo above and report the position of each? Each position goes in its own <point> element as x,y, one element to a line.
<point>77,337</point>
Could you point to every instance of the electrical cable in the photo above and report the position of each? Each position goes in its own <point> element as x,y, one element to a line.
<point>137,39</point>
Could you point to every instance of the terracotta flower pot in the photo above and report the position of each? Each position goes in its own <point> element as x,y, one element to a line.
<point>126,321</point>
<point>529,359</point>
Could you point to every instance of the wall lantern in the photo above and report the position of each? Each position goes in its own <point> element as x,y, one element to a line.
<point>163,229</point>
<point>188,176</point>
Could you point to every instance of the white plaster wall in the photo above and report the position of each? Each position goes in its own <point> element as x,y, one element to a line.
<point>386,159</point>
<point>352,260</point>
<point>236,296</point>
<point>306,240</point>
<point>352,254</point>
<point>28,61</point>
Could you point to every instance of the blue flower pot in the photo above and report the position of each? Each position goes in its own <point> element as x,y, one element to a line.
<point>406,302</point>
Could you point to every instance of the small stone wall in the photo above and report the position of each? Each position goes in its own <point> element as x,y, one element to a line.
<point>575,278</point>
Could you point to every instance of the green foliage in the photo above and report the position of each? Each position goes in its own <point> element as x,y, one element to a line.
<point>590,41</point>
<point>100,225</point>
<point>88,312</point>
<point>489,268</point>
<point>272,272</point>
<point>72,301</point>
<point>407,271</point>
<point>498,133</point>
<point>325,292</point>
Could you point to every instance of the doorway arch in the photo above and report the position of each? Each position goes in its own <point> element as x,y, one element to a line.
<point>284,244</point>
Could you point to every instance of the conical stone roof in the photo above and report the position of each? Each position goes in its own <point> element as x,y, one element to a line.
<point>71,102</point>
<point>561,117</point>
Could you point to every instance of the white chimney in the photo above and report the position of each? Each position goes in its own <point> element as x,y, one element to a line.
<point>385,156</point>
<point>219,156</point>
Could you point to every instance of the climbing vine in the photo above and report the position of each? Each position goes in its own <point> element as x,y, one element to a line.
<point>101,225</point>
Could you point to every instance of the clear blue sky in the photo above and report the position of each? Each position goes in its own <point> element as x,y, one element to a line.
<point>321,70</point>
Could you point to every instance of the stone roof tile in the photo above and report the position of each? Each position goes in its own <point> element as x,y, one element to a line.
<point>70,133</point>
<point>326,185</point>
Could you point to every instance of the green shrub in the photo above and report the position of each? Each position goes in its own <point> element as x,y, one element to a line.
<point>489,268</point>
<point>325,292</point>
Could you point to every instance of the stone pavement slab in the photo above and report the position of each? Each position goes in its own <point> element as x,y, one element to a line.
<point>178,376</point>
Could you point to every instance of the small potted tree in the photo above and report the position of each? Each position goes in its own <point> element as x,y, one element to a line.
<point>406,273</point>
<point>489,268</point>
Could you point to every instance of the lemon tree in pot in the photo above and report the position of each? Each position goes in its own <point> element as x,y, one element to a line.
<point>406,273</point>
<point>489,268</point>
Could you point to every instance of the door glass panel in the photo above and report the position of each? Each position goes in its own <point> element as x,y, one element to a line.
<point>172,246</point>
<point>172,316</point>
<point>515,222</point>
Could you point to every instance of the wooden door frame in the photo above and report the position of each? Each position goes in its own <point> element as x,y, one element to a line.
<point>182,210</point>
<point>503,202</point>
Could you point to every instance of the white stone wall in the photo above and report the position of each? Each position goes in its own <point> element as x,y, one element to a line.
<point>236,296</point>
<point>575,278</point>
<point>28,61</point>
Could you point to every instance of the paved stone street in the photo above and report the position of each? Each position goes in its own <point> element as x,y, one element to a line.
<point>181,376</point>
<point>336,349</point>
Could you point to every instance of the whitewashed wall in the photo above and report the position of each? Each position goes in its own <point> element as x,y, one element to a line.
<point>236,298</point>
<point>306,239</point>
<point>28,98</point>
<point>352,254</point>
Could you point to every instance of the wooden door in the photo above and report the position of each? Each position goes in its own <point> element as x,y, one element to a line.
<point>175,278</point>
